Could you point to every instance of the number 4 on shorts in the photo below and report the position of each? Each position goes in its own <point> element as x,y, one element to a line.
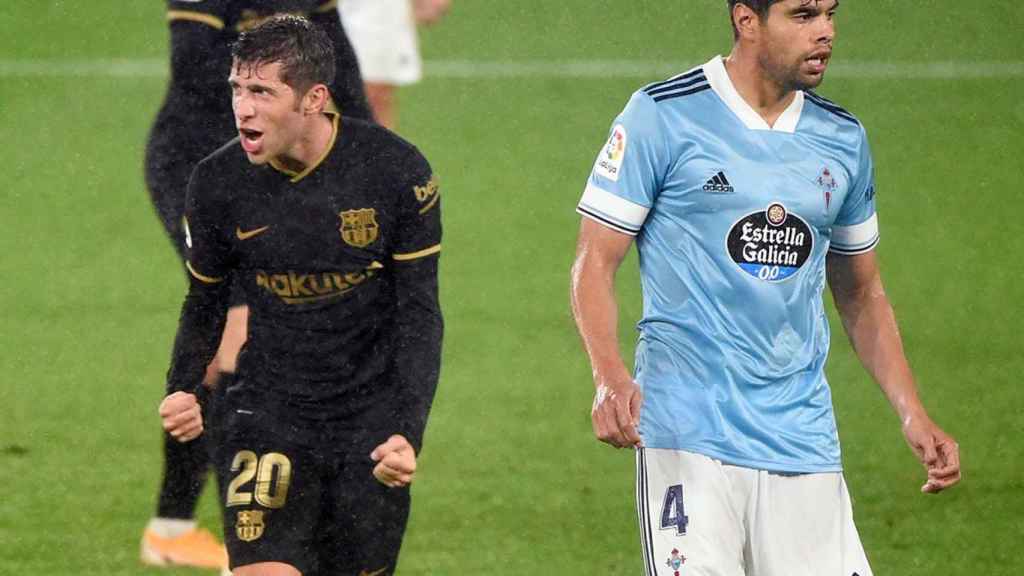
<point>673,514</point>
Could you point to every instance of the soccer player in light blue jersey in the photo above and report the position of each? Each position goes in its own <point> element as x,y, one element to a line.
<point>746,192</point>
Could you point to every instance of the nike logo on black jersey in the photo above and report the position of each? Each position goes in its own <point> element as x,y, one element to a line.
<point>246,234</point>
<point>718,183</point>
<point>374,573</point>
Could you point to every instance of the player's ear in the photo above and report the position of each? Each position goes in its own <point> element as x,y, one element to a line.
<point>315,100</point>
<point>744,20</point>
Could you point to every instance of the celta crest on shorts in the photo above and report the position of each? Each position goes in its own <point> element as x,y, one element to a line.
<point>249,525</point>
<point>359,227</point>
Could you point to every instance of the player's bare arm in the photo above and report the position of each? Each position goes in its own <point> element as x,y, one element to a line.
<point>616,410</point>
<point>869,321</point>
<point>396,462</point>
<point>429,12</point>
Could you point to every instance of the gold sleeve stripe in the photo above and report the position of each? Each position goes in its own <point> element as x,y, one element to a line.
<point>326,6</point>
<point>419,254</point>
<point>207,19</point>
<point>207,279</point>
<point>430,204</point>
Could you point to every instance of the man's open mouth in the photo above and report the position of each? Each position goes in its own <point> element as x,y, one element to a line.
<point>252,140</point>
<point>250,134</point>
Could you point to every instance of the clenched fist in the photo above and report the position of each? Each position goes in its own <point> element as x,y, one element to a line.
<point>182,416</point>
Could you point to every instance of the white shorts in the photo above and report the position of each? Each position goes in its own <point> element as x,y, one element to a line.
<point>699,517</point>
<point>383,35</point>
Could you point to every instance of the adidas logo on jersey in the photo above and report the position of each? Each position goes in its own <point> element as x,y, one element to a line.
<point>718,183</point>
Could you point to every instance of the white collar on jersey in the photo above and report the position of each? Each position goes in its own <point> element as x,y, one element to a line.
<point>719,80</point>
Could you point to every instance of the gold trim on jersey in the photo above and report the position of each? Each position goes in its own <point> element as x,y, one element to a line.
<point>296,176</point>
<point>331,107</point>
<point>251,19</point>
<point>207,279</point>
<point>418,254</point>
<point>326,6</point>
<point>430,204</point>
<point>208,19</point>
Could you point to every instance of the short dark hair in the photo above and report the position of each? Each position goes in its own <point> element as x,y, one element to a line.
<point>305,52</point>
<point>760,7</point>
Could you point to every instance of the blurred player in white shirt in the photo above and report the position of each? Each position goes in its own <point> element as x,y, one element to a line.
<point>383,34</point>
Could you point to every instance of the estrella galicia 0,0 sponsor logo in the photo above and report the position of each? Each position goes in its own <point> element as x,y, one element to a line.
<point>771,245</point>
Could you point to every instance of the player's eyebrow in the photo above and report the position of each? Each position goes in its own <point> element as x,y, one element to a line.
<point>236,85</point>
<point>262,87</point>
<point>813,8</point>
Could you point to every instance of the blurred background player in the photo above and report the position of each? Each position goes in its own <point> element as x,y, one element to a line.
<point>195,120</point>
<point>383,34</point>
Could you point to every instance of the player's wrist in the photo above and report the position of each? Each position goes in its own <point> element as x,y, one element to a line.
<point>202,394</point>
<point>913,416</point>
<point>616,378</point>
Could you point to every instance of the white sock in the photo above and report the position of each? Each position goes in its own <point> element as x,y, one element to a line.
<point>170,527</point>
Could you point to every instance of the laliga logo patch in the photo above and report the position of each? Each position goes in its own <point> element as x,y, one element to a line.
<point>609,161</point>
<point>770,245</point>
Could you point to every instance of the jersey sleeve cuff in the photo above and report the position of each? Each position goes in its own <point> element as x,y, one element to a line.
<point>611,210</point>
<point>855,239</point>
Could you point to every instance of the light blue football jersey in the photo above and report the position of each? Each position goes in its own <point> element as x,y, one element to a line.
<point>733,220</point>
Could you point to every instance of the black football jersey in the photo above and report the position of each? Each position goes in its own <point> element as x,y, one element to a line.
<point>339,266</point>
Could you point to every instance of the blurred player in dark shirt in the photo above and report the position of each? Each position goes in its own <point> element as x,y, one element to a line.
<point>331,227</point>
<point>195,120</point>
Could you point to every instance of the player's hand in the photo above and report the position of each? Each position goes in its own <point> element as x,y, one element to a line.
<point>429,11</point>
<point>181,416</point>
<point>396,462</point>
<point>937,450</point>
<point>615,415</point>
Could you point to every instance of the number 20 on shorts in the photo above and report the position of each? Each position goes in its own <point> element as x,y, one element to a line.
<point>273,473</point>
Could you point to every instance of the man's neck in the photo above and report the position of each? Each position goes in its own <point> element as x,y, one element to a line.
<point>763,94</point>
<point>311,147</point>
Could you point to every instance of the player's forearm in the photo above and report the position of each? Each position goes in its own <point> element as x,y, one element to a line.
<point>871,325</point>
<point>199,329</point>
<point>596,312</point>
<point>419,331</point>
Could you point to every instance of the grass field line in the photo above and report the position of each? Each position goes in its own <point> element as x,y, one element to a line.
<point>497,69</point>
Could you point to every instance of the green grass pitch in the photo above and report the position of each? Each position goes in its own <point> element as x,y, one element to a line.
<point>511,481</point>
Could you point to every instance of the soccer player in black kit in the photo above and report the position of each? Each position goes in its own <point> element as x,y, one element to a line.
<point>332,227</point>
<point>195,120</point>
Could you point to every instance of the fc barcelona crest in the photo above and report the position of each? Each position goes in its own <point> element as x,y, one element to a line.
<point>250,525</point>
<point>359,227</point>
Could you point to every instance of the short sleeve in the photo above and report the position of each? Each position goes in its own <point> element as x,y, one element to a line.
<point>209,12</point>
<point>855,230</point>
<point>206,246</point>
<point>419,212</point>
<point>629,170</point>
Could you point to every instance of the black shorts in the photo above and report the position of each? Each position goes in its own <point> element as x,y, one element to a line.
<point>303,504</point>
